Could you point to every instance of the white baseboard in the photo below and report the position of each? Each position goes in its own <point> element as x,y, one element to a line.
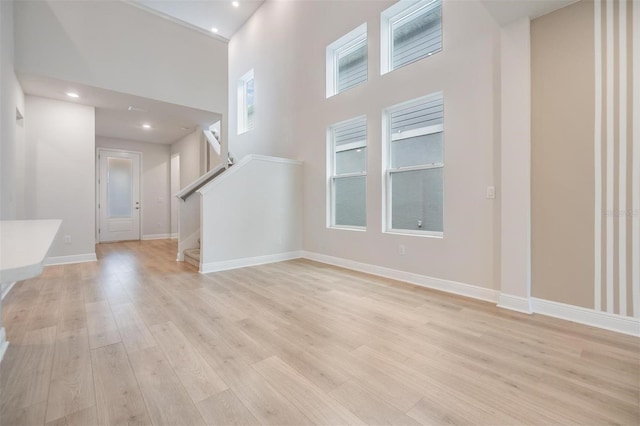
<point>515,303</point>
<point>205,268</point>
<point>3,343</point>
<point>604,320</point>
<point>174,236</point>
<point>6,290</point>
<point>157,237</point>
<point>76,258</point>
<point>454,287</point>
<point>613,322</point>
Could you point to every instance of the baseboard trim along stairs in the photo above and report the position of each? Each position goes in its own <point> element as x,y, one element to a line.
<point>192,257</point>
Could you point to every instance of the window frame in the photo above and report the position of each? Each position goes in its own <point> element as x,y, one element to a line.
<point>388,170</point>
<point>392,16</point>
<point>244,125</point>
<point>344,45</point>
<point>333,176</point>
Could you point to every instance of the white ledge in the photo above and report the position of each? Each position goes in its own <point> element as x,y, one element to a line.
<point>25,245</point>
<point>249,158</point>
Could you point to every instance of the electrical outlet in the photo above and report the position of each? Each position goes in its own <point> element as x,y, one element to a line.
<point>67,239</point>
<point>401,250</point>
<point>491,192</point>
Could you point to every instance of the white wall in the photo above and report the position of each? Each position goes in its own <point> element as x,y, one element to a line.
<point>11,132</point>
<point>156,213</point>
<point>189,149</point>
<point>260,217</point>
<point>269,50</point>
<point>116,46</point>
<point>60,172</point>
<point>292,114</point>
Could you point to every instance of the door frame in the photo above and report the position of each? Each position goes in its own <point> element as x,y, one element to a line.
<point>100,150</point>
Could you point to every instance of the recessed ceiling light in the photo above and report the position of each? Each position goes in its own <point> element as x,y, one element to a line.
<point>236,4</point>
<point>146,126</point>
<point>73,95</point>
<point>133,108</point>
<point>214,30</point>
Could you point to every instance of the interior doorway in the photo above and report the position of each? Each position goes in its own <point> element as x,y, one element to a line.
<point>119,208</point>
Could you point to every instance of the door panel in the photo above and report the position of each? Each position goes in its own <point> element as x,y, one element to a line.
<point>119,187</point>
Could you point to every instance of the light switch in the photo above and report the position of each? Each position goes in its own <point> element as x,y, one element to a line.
<point>491,192</point>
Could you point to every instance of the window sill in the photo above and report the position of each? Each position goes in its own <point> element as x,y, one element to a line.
<point>411,233</point>
<point>348,228</point>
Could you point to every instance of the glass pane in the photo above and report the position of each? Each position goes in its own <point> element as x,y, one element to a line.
<point>416,37</point>
<point>351,161</point>
<point>352,67</point>
<point>420,150</point>
<point>416,200</point>
<point>350,199</point>
<point>250,102</point>
<point>119,187</point>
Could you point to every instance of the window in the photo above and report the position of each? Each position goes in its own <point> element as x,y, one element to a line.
<point>347,171</point>
<point>246,102</point>
<point>410,31</point>
<point>347,61</point>
<point>414,166</point>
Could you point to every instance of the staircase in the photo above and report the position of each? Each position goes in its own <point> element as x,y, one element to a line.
<point>192,256</point>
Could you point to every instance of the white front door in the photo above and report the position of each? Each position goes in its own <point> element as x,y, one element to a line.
<point>119,196</point>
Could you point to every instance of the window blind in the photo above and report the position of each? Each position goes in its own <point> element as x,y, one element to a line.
<point>351,64</point>
<point>417,34</point>
<point>350,132</point>
<point>417,116</point>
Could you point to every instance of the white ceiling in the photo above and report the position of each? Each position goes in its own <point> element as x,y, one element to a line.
<point>169,122</point>
<point>204,14</point>
<point>507,11</point>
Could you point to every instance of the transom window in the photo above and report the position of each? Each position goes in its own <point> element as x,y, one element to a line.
<point>347,149</point>
<point>246,102</point>
<point>347,61</point>
<point>410,31</point>
<point>415,166</point>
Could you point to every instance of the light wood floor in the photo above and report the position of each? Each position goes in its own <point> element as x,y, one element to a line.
<point>137,338</point>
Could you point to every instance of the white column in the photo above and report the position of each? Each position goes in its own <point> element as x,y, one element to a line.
<point>515,187</point>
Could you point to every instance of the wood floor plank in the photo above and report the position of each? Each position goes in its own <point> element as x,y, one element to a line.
<point>265,403</point>
<point>226,409</point>
<point>165,397</point>
<point>118,397</point>
<point>319,407</point>
<point>31,415</point>
<point>195,374</point>
<point>73,316</point>
<point>86,417</point>
<point>369,407</point>
<point>101,325</point>
<point>71,388</point>
<point>26,370</point>
<point>133,331</point>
